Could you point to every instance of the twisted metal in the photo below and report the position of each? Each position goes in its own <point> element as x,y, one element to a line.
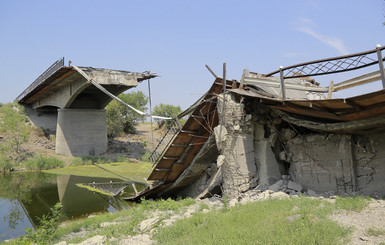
<point>51,70</point>
<point>331,65</point>
<point>165,142</point>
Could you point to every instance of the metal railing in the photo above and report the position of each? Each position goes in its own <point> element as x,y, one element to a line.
<point>166,141</point>
<point>332,65</point>
<point>51,70</point>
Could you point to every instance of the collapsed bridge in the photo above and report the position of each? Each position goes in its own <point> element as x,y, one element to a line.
<point>263,129</point>
<point>69,101</point>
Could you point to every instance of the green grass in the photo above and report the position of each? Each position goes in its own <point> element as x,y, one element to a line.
<point>278,221</point>
<point>353,203</point>
<point>42,162</point>
<point>133,171</point>
<point>375,231</point>
<point>128,220</point>
<point>262,222</point>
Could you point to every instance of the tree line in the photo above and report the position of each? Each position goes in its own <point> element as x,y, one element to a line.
<point>121,119</point>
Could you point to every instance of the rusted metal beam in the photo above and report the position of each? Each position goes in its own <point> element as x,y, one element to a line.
<point>211,71</point>
<point>162,169</point>
<point>381,64</point>
<point>180,145</point>
<point>170,158</point>
<point>364,79</point>
<point>283,92</point>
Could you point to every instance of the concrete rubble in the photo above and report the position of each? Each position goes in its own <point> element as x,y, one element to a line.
<point>261,152</point>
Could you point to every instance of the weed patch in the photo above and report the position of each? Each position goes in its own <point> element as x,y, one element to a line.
<point>375,231</point>
<point>354,203</point>
<point>262,222</point>
<point>41,162</point>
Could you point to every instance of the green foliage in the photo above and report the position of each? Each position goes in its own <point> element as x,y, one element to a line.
<point>48,226</point>
<point>121,118</point>
<point>77,161</point>
<point>352,203</point>
<point>166,110</point>
<point>96,159</point>
<point>375,231</point>
<point>166,204</point>
<point>14,123</point>
<point>5,163</point>
<point>263,222</point>
<point>41,162</point>
<point>121,159</point>
<point>134,171</point>
<point>145,157</point>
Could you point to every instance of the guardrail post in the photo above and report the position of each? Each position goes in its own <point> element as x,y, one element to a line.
<point>283,92</point>
<point>177,122</point>
<point>381,64</point>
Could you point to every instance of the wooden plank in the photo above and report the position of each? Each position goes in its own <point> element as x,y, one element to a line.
<point>356,106</point>
<point>308,112</point>
<point>372,112</point>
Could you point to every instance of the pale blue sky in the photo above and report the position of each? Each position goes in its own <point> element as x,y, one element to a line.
<point>177,38</point>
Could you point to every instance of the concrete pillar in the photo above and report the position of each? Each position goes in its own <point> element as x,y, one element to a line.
<point>235,142</point>
<point>267,164</point>
<point>81,132</point>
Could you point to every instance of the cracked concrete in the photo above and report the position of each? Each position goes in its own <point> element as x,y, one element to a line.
<point>256,148</point>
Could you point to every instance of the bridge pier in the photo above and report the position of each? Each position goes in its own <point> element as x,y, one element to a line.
<point>81,132</point>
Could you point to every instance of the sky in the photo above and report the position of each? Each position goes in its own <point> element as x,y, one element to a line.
<point>175,39</point>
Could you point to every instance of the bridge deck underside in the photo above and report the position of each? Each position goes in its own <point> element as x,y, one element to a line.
<point>189,141</point>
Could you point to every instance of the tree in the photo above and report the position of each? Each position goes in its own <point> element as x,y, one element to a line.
<point>166,110</point>
<point>121,118</point>
<point>14,124</point>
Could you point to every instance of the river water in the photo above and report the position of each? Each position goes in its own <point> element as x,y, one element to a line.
<point>27,196</point>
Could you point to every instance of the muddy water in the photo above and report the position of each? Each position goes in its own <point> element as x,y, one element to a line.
<point>26,197</point>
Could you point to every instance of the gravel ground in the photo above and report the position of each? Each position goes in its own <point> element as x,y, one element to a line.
<point>373,216</point>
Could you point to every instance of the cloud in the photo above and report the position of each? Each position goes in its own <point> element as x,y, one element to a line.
<point>333,42</point>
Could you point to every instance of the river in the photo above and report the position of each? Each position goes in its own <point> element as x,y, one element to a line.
<point>27,196</point>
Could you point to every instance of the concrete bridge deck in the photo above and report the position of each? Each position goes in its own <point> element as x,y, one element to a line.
<point>64,101</point>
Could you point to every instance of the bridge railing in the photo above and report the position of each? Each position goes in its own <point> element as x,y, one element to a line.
<point>51,70</point>
<point>166,141</point>
<point>333,65</point>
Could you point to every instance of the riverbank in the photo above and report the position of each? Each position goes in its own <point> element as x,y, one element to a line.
<point>263,218</point>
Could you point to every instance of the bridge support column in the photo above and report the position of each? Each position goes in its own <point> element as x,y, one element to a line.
<point>81,132</point>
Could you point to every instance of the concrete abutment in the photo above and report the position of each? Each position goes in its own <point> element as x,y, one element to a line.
<point>81,132</point>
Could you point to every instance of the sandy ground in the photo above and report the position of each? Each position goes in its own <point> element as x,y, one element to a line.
<point>373,216</point>
<point>143,134</point>
<point>39,144</point>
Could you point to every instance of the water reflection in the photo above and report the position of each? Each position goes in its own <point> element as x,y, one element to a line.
<point>24,197</point>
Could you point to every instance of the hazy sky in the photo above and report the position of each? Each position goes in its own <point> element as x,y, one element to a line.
<point>175,39</point>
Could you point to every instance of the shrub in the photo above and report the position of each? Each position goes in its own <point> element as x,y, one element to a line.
<point>121,159</point>
<point>166,110</point>
<point>48,226</point>
<point>77,161</point>
<point>5,164</point>
<point>121,118</point>
<point>95,159</point>
<point>145,157</point>
<point>14,122</point>
<point>41,162</point>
